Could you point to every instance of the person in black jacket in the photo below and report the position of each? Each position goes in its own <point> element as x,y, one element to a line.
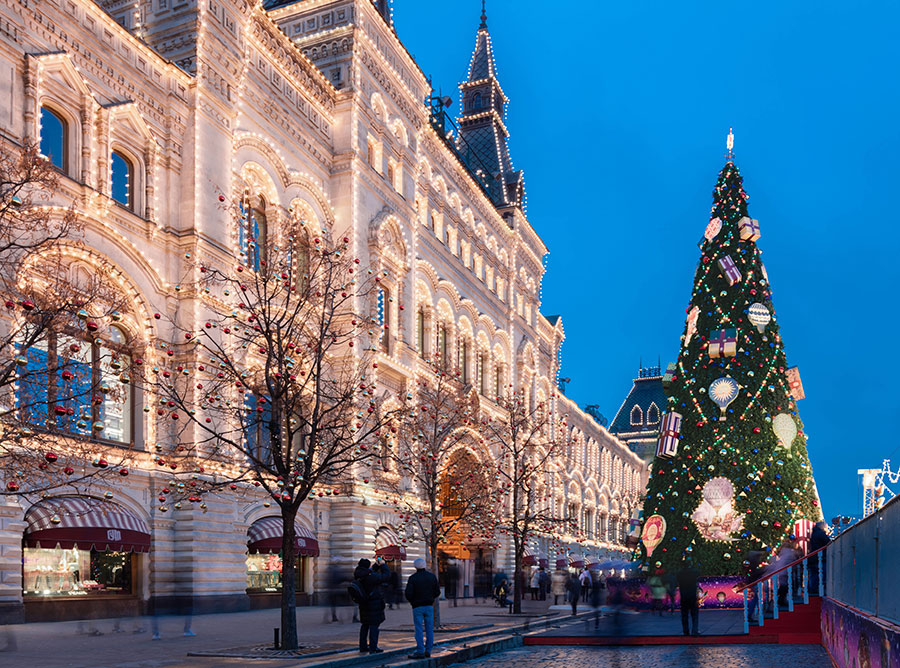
<point>421,591</point>
<point>371,610</point>
<point>819,538</point>
<point>688,578</point>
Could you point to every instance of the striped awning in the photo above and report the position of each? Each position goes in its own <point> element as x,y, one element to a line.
<point>387,545</point>
<point>591,561</point>
<point>576,560</point>
<point>529,559</point>
<point>264,536</point>
<point>86,523</point>
<point>562,563</point>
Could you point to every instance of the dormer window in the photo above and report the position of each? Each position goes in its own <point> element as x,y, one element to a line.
<point>637,416</point>
<point>653,414</point>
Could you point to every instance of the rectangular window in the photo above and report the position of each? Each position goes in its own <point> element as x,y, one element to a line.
<point>420,332</point>
<point>257,432</point>
<point>498,381</point>
<point>464,362</point>
<point>371,155</point>
<point>383,317</point>
<point>73,572</point>
<point>442,343</point>
<point>482,380</point>
<point>264,573</point>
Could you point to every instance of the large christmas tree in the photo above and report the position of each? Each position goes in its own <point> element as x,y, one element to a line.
<point>732,474</point>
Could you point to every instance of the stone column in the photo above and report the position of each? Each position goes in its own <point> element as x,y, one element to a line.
<point>12,526</point>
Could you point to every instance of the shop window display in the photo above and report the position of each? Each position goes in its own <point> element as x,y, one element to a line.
<point>74,572</point>
<point>264,573</point>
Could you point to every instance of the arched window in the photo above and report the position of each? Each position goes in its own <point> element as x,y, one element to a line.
<point>122,181</point>
<point>254,228</point>
<point>653,414</point>
<point>476,101</point>
<point>54,138</point>
<point>637,416</point>
<point>78,385</point>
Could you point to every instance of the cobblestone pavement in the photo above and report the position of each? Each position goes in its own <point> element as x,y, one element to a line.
<point>734,656</point>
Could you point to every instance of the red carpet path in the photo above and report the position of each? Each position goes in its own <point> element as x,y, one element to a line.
<point>718,627</point>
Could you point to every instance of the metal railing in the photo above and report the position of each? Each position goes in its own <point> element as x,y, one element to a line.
<point>862,564</point>
<point>767,586</point>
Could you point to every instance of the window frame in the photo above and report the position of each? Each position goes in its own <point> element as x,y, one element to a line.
<point>65,136</point>
<point>132,176</point>
<point>52,342</point>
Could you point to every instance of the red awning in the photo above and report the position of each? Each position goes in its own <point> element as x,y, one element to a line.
<point>543,562</point>
<point>529,559</point>
<point>562,563</point>
<point>576,561</point>
<point>85,522</point>
<point>387,545</point>
<point>264,536</point>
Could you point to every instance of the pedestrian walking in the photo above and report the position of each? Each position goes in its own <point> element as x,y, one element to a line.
<point>786,555</point>
<point>393,590</point>
<point>757,568</point>
<point>818,538</point>
<point>368,589</point>
<point>596,598</point>
<point>657,591</point>
<point>558,585</point>
<point>451,582</point>
<point>545,583</point>
<point>535,584</point>
<point>573,589</point>
<point>585,579</point>
<point>671,582</point>
<point>688,578</point>
<point>421,591</point>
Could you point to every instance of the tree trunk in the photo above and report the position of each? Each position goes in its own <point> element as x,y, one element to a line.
<point>517,585</point>
<point>288,578</point>
<point>434,569</point>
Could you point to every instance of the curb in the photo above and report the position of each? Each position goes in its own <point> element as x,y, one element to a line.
<point>512,637</point>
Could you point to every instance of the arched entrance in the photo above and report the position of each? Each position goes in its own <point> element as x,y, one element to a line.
<point>466,555</point>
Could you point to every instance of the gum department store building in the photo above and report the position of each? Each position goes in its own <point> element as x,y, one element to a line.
<point>149,108</point>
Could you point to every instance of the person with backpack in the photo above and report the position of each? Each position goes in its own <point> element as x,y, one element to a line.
<point>367,591</point>
<point>422,590</point>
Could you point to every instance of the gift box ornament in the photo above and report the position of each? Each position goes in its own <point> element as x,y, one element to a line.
<point>729,270</point>
<point>723,343</point>
<point>669,376</point>
<point>669,433</point>
<point>795,384</point>
<point>748,228</point>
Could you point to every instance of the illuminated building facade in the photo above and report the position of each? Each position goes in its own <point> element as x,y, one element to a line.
<point>150,109</point>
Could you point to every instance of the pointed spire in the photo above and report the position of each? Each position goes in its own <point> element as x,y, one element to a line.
<point>483,25</point>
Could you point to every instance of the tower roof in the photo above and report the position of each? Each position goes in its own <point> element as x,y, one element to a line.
<point>482,65</point>
<point>483,134</point>
<point>647,391</point>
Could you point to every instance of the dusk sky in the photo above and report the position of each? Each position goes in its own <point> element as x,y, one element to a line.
<point>618,115</point>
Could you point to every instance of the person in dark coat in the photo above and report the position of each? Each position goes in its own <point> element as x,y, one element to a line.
<point>818,539</point>
<point>371,610</point>
<point>690,605</point>
<point>573,591</point>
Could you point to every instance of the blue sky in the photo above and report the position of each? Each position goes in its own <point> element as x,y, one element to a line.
<point>618,115</point>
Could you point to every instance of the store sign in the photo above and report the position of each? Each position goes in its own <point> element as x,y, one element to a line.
<point>113,534</point>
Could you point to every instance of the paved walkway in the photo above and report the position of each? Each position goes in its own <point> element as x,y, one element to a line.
<point>731,656</point>
<point>711,622</point>
<point>71,645</point>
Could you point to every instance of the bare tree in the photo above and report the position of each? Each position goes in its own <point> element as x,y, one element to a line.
<point>272,383</point>
<point>60,381</point>
<point>437,485</point>
<point>526,442</point>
